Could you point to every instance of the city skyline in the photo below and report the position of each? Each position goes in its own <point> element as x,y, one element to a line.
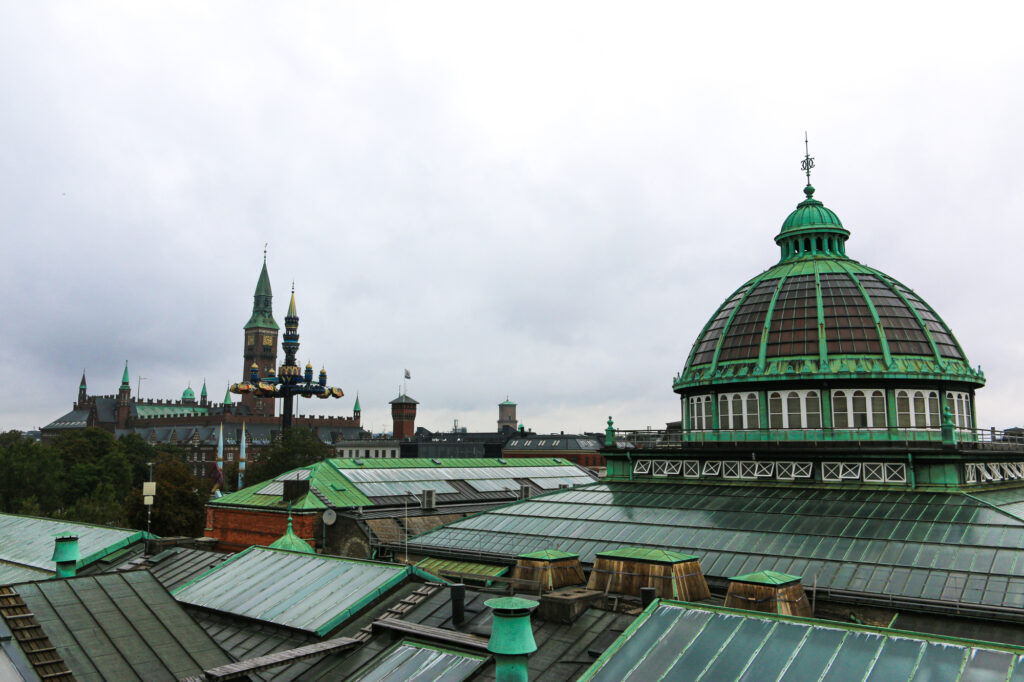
<point>545,210</point>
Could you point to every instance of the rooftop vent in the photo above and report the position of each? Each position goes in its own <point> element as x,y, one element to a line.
<point>294,489</point>
<point>551,568</point>
<point>429,499</point>
<point>768,591</point>
<point>436,461</point>
<point>524,491</point>
<point>674,575</point>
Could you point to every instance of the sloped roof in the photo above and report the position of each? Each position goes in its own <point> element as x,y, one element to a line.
<point>27,547</point>
<point>308,592</point>
<point>343,482</point>
<point>950,548</point>
<point>672,640</point>
<point>120,626</point>
<point>75,419</point>
<point>416,662</point>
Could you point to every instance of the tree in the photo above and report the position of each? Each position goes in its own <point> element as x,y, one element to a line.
<point>297,447</point>
<point>179,507</point>
<point>31,471</point>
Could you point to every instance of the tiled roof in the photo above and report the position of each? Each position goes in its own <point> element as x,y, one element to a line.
<point>76,419</point>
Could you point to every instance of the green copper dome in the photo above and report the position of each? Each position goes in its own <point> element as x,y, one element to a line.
<point>818,314</point>
<point>188,394</point>
<point>292,542</point>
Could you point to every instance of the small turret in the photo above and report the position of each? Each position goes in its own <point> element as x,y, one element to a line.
<point>203,395</point>
<point>308,374</point>
<point>66,556</point>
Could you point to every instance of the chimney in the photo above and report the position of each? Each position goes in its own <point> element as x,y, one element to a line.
<point>429,499</point>
<point>65,553</point>
<point>294,489</point>
<point>458,592</point>
<point>647,595</point>
<point>511,639</point>
<point>524,491</point>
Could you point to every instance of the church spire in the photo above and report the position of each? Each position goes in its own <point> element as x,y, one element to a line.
<point>125,378</point>
<point>263,300</point>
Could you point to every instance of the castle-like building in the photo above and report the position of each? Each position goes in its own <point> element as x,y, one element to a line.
<point>195,424</point>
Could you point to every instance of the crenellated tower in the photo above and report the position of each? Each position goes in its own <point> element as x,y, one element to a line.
<point>260,342</point>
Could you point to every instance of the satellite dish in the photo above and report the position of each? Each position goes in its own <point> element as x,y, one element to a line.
<point>330,516</point>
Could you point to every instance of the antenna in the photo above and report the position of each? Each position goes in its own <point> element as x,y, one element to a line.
<point>808,163</point>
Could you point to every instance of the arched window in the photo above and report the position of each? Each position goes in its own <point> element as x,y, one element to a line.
<point>879,420</point>
<point>817,245</point>
<point>793,411</point>
<point>775,411</point>
<point>840,417</point>
<point>812,408</point>
<point>903,410</point>
<point>723,411</point>
<point>753,412</point>
<point>934,418</point>
<point>737,411</point>
<point>860,410</point>
<point>920,418</point>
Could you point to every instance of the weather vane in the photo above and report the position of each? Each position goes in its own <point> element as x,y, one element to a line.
<point>808,163</point>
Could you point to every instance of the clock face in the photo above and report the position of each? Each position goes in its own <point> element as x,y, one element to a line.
<point>268,340</point>
<point>250,339</point>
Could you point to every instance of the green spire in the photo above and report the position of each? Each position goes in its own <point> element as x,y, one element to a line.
<point>125,379</point>
<point>227,396</point>
<point>203,392</point>
<point>292,542</point>
<point>82,385</point>
<point>356,408</point>
<point>262,306</point>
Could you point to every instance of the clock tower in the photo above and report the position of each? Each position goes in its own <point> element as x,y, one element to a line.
<point>260,342</point>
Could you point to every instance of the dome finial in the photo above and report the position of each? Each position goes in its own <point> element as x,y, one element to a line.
<point>806,165</point>
<point>265,252</point>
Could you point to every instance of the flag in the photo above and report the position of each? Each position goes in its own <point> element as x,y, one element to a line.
<point>408,375</point>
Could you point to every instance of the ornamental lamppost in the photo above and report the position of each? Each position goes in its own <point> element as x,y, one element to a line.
<point>290,381</point>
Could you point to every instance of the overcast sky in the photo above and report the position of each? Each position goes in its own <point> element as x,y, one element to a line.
<point>545,202</point>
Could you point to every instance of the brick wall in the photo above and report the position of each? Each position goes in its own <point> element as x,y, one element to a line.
<point>237,529</point>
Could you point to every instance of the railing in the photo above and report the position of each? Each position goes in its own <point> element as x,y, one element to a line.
<point>988,439</point>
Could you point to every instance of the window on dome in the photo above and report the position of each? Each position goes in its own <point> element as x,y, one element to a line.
<point>903,410</point>
<point>812,408</point>
<point>849,326</point>
<point>912,411</point>
<point>743,339</point>
<point>795,410</point>
<point>903,332</point>
<point>736,412</point>
<point>860,410</point>
<point>934,418</point>
<point>700,412</point>
<point>706,349</point>
<point>939,333</point>
<point>753,412</point>
<point>960,405</point>
<point>794,324</point>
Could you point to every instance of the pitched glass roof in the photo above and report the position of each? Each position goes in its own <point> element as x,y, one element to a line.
<point>26,549</point>
<point>308,592</point>
<point>673,640</point>
<point>950,547</point>
<point>417,662</point>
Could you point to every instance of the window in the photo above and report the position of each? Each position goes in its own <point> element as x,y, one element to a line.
<point>802,470</point>
<point>712,468</point>
<point>764,469</point>
<point>859,409</point>
<point>691,468</point>
<point>849,471</point>
<point>784,471</point>
<point>730,469</point>
<point>738,411</point>
<point>667,467</point>
<point>874,473</point>
<point>700,412</point>
<point>642,466</point>
<point>797,410</point>
<point>748,469</point>
<point>830,471</point>
<point>896,473</point>
<point>960,405</point>
<point>969,474</point>
<point>914,411</point>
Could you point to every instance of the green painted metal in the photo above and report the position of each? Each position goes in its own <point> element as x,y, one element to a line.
<point>767,578</point>
<point>811,221</point>
<point>227,396</point>
<point>150,411</point>
<point>188,394</point>
<point>356,408</point>
<point>125,379</point>
<point>609,434</point>
<point>292,542</point>
<point>347,483</point>
<point>27,545</point>
<point>648,554</point>
<point>549,555</point>
<point>65,555</point>
<point>203,393</point>
<point>671,640</point>
<point>310,592</point>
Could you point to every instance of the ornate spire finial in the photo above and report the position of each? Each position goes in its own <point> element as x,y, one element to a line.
<point>265,252</point>
<point>808,163</point>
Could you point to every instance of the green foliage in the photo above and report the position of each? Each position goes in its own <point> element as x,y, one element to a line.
<point>92,477</point>
<point>297,447</point>
<point>179,505</point>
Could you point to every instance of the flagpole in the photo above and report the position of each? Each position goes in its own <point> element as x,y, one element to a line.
<point>241,459</point>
